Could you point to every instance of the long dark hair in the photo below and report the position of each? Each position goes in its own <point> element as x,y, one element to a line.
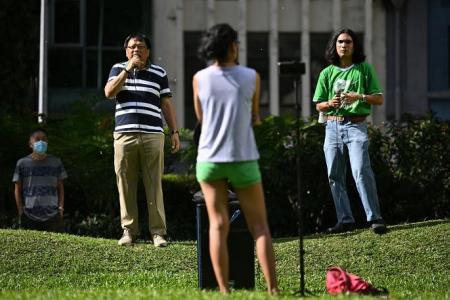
<point>358,52</point>
<point>216,42</point>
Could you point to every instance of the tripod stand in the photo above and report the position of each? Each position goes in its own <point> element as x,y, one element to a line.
<point>294,69</point>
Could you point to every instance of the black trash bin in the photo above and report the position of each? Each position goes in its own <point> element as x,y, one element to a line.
<point>241,247</point>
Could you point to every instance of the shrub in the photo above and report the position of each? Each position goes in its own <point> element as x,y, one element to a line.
<point>14,140</point>
<point>414,158</point>
<point>84,142</point>
<point>411,161</point>
<point>277,146</point>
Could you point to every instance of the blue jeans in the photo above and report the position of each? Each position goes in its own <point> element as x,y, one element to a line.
<point>344,138</point>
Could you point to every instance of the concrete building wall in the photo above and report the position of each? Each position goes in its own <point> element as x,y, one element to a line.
<point>353,14</point>
<point>321,16</point>
<point>227,12</point>
<point>379,57</point>
<point>165,48</point>
<point>406,41</point>
<point>163,44</point>
<point>195,14</point>
<point>287,14</point>
<point>258,14</point>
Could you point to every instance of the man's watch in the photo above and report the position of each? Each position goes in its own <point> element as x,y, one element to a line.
<point>174,131</point>
<point>364,98</point>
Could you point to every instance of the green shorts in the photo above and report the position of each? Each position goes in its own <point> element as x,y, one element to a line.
<point>240,174</point>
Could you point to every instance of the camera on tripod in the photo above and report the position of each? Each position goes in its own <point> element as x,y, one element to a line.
<point>292,68</point>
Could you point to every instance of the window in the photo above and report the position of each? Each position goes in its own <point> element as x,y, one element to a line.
<point>438,48</point>
<point>66,26</point>
<point>84,44</point>
<point>64,68</point>
<point>318,44</point>
<point>121,20</point>
<point>288,49</point>
<point>192,64</point>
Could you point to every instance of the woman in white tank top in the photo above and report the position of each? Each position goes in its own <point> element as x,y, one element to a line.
<point>226,102</point>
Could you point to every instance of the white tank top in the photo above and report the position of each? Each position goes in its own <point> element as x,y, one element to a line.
<point>226,100</point>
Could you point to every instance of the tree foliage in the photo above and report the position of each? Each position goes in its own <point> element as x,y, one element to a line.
<point>411,161</point>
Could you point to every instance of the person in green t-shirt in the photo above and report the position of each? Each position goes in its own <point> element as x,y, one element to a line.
<point>345,92</point>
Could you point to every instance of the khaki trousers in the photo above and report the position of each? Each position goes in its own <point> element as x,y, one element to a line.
<point>134,152</point>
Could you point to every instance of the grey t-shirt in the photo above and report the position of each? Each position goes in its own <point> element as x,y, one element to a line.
<point>39,185</point>
<point>226,100</point>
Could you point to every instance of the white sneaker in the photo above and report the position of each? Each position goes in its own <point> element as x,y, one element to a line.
<point>126,239</point>
<point>159,241</point>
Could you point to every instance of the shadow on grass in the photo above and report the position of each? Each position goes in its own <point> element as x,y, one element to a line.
<point>319,236</point>
<point>144,242</point>
<point>419,224</point>
<point>360,230</point>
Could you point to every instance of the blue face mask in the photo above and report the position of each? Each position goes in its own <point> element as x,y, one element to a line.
<point>40,147</point>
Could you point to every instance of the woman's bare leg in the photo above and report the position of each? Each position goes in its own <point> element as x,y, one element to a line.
<point>216,199</point>
<point>252,204</point>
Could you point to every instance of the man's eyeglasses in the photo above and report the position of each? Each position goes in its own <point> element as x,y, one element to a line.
<point>139,47</point>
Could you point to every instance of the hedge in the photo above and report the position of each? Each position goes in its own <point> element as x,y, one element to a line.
<point>411,161</point>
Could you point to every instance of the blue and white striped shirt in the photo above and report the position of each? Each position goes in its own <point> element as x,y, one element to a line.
<point>138,103</point>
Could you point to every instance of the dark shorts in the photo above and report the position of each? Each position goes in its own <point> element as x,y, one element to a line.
<point>55,224</point>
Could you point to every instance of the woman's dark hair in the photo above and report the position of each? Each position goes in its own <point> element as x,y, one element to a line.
<point>138,36</point>
<point>216,42</point>
<point>331,54</point>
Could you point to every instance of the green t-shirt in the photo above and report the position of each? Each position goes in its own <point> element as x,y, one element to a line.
<point>359,78</point>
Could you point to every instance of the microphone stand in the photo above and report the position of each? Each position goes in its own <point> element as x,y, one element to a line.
<point>294,69</point>
<point>301,251</point>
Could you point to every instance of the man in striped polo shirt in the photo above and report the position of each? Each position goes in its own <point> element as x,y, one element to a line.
<point>141,91</point>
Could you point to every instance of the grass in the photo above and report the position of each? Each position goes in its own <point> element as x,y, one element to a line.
<point>412,261</point>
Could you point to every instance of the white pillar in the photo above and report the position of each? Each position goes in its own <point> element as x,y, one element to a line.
<point>273,59</point>
<point>179,81</point>
<point>210,13</point>
<point>337,14</point>
<point>306,58</point>
<point>43,44</point>
<point>242,31</point>
<point>368,47</point>
<point>398,89</point>
<point>398,77</point>
<point>100,44</point>
<point>368,31</point>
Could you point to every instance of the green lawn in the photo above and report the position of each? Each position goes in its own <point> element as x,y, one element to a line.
<point>412,261</point>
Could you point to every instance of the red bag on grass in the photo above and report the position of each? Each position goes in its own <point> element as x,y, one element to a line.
<point>340,281</point>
